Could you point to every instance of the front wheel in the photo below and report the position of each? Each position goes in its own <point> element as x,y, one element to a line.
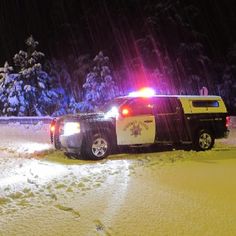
<point>204,140</point>
<point>96,146</point>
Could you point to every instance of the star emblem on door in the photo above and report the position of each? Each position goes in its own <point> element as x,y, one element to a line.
<point>136,130</point>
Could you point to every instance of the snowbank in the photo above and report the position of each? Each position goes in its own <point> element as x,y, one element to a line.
<point>25,138</point>
<point>25,119</point>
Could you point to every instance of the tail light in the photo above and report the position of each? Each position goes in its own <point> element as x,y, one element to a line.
<point>227,121</point>
<point>52,128</point>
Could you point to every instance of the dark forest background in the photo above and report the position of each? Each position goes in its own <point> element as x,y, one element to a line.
<point>175,46</point>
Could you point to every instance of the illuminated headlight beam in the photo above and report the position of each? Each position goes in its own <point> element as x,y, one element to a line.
<point>113,112</point>
<point>71,128</point>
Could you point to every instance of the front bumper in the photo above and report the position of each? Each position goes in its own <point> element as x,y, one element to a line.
<point>71,143</point>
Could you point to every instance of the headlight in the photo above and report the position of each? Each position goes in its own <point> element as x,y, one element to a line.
<point>113,112</point>
<point>71,128</point>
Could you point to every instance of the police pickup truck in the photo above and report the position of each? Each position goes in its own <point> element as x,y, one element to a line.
<point>142,120</point>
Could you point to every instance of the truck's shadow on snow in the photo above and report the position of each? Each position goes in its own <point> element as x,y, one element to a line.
<point>165,153</point>
<point>133,151</point>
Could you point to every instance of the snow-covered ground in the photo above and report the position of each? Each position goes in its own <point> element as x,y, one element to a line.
<point>25,138</point>
<point>42,192</point>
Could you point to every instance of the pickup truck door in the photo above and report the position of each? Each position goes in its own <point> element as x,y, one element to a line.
<point>138,126</point>
<point>135,130</point>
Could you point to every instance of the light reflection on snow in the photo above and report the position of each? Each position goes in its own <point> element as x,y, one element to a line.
<point>11,180</point>
<point>32,171</point>
<point>32,147</point>
<point>116,200</point>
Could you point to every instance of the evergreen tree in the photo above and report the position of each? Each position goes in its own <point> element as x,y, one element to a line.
<point>61,78</point>
<point>194,68</point>
<point>99,86</point>
<point>11,99</point>
<point>29,91</point>
<point>67,79</point>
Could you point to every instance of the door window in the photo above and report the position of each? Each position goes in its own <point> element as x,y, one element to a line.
<point>141,106</point>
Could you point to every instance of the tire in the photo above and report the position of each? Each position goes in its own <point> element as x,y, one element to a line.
<point>96,146</point>
<point>204,140</point>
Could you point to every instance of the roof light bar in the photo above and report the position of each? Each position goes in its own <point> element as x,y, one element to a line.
<point>144,92</point>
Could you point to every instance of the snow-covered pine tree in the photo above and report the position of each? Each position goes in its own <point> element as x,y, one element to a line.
<point>28,90</point>
<point>11,100</point>
<point>99,86</point>
<point>60,72</point>
<point>37,93</point>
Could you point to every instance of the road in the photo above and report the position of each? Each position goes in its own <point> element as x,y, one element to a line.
<point>163,193</point>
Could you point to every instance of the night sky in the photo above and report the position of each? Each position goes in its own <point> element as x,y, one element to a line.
<point>71,26</point>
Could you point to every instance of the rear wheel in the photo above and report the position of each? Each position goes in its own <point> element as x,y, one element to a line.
<point>96,146</point>
<point>204,140</point>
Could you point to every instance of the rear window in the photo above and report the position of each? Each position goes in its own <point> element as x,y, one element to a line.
<point>205,103</point>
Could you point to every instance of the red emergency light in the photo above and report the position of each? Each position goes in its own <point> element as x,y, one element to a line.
<point>52,128</point>
<point>144,92</point>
